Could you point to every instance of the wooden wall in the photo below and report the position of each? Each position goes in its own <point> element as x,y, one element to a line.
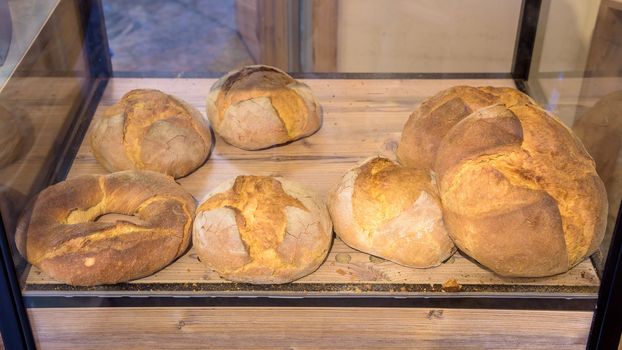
<point>306,328</point>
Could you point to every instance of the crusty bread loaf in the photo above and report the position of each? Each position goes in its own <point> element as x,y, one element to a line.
<point>390,211</point>
<point>261,106</point>
<point>150,130</point>
<point>62,237</point>
<point>11,138</point>
<point>433,119</point>
<point>519,191</point>
<point>260,229</point>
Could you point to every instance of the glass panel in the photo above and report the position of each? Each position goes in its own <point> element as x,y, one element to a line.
<point>311,36</point>
<point>370,64</point>
<point>20,23</point>
<point>43,82</point>
<point>577,73</point>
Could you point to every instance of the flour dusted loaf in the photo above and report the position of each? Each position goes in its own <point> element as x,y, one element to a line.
<point>150,130</point>
<point>260,229</point>
<point>62,236</point>
<point>519,191</point>
<point>433,119</point>
<point>261,106</point>
<point>393,212</point>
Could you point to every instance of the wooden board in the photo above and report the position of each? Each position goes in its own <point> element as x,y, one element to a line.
<point>362,118</point>
<point>307,328</point>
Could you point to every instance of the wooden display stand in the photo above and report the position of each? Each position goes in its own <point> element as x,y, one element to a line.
<point>362,118</point>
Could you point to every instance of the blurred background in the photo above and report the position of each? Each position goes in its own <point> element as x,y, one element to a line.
<point>192,36</point>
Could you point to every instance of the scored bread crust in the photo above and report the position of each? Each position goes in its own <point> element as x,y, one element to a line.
<point>262,230</point>
<point>520,193</point>
<point>260,106</point>
<point>150,130</point>
<point>393,212</point>
<point>433,119</point>
<point>60,234</point>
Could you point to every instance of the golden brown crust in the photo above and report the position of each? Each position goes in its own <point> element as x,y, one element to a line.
<point>259,229</point>
<point>520,193</point>
<point>433,119</point>
<point>62,237</point>
<point>261,106</point>
<point>150,130</point>
<point>391,211</point>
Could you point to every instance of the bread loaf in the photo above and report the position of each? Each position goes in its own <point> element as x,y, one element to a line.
<point>519,191</point>
<point>393,212</point>
<point>62,236</point>
<point>150,130</point>
<point>261,106</point>
<point>433,119</point>
<point>259,229</point>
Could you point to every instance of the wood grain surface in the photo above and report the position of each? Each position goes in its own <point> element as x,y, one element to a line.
<point>362,118</point>
<point>307,328</point>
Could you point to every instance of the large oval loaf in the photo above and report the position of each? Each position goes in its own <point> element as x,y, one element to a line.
<point>261,106</point>
<point>63,238</point>
<point>150,130</point>
<point>260,229</point>
<point>394,212</point>
<point>519,191</point>
<point>433,119</point>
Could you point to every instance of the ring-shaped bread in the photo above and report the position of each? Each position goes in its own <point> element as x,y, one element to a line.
<point>62,237</point>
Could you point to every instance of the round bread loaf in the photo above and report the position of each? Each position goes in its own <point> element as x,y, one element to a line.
<point>11,138</point>
<point>62,236</point>
<point>520,193</point>
<point>150,130</point>
<point>433,119</point>
<point>259,229</point>
<point>393,212</point>
<point>261,106</point>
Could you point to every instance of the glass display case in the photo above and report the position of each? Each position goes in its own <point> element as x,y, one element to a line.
<point>65,64</point>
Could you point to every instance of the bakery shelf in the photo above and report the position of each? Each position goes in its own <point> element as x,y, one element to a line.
<point>362,118</point>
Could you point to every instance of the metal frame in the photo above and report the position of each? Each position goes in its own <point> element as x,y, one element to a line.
<point>14,323</point>
<point>606,325</point>
<point>525,42</point>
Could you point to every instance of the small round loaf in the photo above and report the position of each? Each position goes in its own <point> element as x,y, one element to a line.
<point>520,193</point>
<point>260,229</point>
<point>62,236</point>
<point>261,106</point>
<point>393,212</point>
<point>433,119</point>
<point>150,130</point>
<point>11,138</point>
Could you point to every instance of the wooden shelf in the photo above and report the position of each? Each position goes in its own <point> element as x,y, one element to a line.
<point>362,118</point>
